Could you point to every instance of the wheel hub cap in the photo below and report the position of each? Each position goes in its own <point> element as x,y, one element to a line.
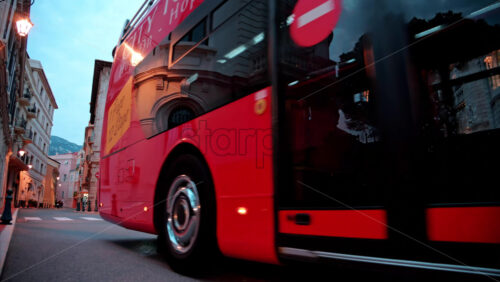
<point>183,214</point>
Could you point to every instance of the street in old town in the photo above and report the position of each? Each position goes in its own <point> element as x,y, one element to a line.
<point>64,245</point>
<point>249,140</point>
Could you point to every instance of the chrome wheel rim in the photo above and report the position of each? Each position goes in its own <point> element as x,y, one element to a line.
<point>183,214</point>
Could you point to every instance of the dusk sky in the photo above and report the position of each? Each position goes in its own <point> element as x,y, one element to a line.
<point>67,37</point>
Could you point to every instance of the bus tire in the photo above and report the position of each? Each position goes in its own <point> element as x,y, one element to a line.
<point>187,236</point>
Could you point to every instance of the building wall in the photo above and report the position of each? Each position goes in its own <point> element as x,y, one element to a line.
<point>51,183</point>
<point>12,63</point>
<point>89,191</point>
<point>66,184</point>
<point>6,15</point>
<point>38,113</point>
<point>93,133</point>
<point>4,148</point>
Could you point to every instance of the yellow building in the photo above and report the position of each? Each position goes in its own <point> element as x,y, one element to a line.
<point>50,183</point>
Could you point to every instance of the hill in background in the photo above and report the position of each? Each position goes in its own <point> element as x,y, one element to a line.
<point>60,145</point>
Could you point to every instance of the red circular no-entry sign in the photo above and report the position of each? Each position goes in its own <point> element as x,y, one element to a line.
<point>314,20</point>
<point>97,174</point>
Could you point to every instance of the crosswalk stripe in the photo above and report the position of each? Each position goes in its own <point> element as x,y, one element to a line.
<point>91,218</point>
<point>62,218</point>
<point>27,218</point>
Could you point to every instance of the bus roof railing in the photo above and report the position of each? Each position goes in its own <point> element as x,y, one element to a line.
<point>136,18</point>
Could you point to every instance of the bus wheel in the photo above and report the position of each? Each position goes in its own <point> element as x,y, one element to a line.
<point>188,214</point>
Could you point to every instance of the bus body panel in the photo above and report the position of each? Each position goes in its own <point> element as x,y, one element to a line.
<point>238,154</point>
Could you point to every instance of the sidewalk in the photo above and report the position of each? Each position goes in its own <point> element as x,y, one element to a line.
<point>82,212</point>
<point>5,236</point>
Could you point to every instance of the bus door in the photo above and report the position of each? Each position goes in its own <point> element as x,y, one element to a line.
<point>384,119</point>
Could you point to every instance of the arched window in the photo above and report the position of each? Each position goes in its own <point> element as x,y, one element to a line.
<point>176,112</point>
<point>179,116</point>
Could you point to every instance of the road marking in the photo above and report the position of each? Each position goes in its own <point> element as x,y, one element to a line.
<point>28,218</point>
<point>62,218</point>
<point>91,218</point>
<point>316,13</point>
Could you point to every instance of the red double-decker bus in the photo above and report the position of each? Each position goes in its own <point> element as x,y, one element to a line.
<point>358,131</point>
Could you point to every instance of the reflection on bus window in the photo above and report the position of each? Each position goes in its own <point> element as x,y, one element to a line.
<point>425,76</point>
<point>228,63</point>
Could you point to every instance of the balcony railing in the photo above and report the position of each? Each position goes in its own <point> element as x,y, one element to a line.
<point>20,127</point>
<point>31,112</point>
<point>25,98</point>
<point>28,135</point>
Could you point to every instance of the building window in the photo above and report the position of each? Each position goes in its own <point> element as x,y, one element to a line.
<point>180,116</point>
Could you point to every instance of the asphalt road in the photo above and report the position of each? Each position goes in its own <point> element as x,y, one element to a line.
<point>63,245</point>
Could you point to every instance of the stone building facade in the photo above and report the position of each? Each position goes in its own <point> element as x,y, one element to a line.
<point>68,177</point>
<point>38,111</point>
<point>93,132</point>
<point>12,65</point>
<point>50,183</point>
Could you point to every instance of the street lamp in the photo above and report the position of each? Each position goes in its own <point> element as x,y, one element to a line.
<point>24,23</point>
<point>24,26</point>
<point>21,152</point>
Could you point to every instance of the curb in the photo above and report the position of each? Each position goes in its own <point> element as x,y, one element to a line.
<point>5,237</point>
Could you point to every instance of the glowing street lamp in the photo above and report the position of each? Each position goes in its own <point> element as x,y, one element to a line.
<point>24,26</point>
<point>21,152</point>
<point>30,166</point>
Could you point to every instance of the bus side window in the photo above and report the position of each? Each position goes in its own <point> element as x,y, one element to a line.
<point>207,70</point>
<point>194,36</point>
<point>231,61</point>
